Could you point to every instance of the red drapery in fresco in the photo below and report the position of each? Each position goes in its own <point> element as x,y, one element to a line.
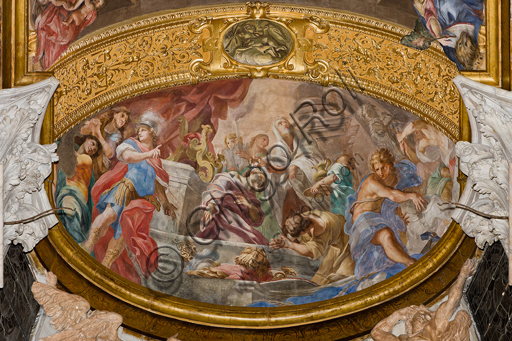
<point>200,104</point>
<point>205,103</point>
<point>53,36</point>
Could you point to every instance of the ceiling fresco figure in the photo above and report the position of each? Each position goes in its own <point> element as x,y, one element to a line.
<point>374,216</point>
<point>232,210</point>
<point>74,191</point>
<point>455,24</point>
<point>109,129</point>
<point>58,24</point>
<point>125,199</point>
<point>225,170</point>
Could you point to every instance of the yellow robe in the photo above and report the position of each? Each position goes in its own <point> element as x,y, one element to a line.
<point>333,246</point>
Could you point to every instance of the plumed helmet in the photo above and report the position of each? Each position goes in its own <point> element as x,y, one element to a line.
<point>149,123</point>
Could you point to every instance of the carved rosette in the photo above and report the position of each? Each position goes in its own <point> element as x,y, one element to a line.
<point>26,163</point>
<point>485,161</point>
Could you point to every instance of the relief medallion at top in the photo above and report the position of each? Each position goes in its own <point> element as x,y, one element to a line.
<point>258,42</point>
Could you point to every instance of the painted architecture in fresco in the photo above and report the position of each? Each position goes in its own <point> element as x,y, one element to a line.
<point>455,24</point>
<point>196,188</point>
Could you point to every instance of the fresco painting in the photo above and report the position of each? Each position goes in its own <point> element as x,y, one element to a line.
<point>455,24</point>
<point>217,193</point>
<point>57,24</point>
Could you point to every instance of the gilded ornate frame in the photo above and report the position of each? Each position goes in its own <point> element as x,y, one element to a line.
<point>17,43</point>
<point>83,68</point>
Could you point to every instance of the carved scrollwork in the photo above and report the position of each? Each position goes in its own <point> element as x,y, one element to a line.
<point>26,163</point>
<point>199,68</point>
<point>258,10</point>
<point>187,47</point>
<point>318,70</point>
<point>141,58</point>
<point>197,26</point>
<point>486,161</point>
<point>206,161</point>
<point>319,25</point>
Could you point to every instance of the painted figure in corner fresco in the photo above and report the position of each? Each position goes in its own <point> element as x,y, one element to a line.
<point>332,228</point>
<point>455,24</point>
<point>58,23</point>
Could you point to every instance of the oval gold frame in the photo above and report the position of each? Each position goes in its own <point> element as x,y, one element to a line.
<point>272,65</point>
<point>160,315</point>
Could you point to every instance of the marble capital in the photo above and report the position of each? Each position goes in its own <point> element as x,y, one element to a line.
<point>485,160</point>
<point>26,163</point>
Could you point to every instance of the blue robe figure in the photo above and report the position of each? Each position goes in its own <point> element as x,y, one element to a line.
<point>142,175</point>
<point>449,14</point>
<point>341,188</point>
<point>369,257</point>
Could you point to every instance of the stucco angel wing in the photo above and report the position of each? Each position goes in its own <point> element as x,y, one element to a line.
<point>101,325</point>
<point>64,309</point>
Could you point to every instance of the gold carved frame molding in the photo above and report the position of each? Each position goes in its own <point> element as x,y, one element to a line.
<point>330,48</point>
<point>184,47</point>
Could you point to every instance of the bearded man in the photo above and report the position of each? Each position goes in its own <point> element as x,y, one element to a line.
<point>319,235</point>
<point>293,149</point>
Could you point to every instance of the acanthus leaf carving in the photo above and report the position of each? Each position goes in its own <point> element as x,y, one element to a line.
<point>486,161</point>
<point>26,163</point>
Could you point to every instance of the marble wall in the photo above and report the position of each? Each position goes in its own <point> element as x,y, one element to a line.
<point>490,298</point>
<point>18,308</point>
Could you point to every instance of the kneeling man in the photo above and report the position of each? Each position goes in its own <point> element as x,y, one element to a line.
<point>317,234</point>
